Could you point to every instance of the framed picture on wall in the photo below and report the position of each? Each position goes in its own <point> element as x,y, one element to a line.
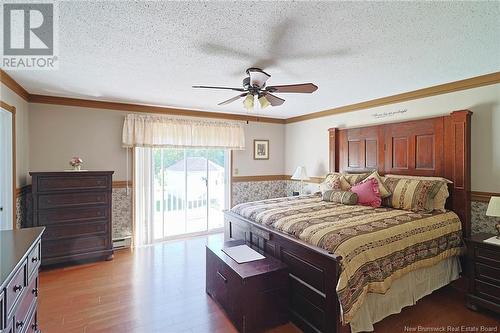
<point>260,149</point>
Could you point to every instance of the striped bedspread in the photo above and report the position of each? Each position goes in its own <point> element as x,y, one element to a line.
<point>377,245</point>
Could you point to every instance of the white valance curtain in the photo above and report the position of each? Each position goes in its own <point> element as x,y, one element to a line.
<point>165,131</point>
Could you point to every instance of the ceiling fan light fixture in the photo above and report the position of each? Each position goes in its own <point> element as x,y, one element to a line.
<point>264,103</point>
<point>248,102</point>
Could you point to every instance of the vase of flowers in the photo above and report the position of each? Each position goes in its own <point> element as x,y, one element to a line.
<point>76,162</point>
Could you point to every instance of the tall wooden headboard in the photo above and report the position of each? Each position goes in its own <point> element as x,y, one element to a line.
<point>437,147</point>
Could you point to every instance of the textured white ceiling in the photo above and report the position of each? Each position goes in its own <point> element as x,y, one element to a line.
<point>152,52</point>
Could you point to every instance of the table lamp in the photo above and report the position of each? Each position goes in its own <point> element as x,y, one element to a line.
<point>301,174</point>
<point>494,210</point>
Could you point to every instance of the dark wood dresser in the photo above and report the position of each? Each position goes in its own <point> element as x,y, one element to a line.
<point>484,269</point>
<point>253,294</point>
<point>19,263</point>
<point>75,207</point>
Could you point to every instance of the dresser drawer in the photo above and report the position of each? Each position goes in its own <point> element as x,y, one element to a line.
<point>34,258</point>
<point>488,273</point>
<point>72,199</point>
<point>487,255</point>
<point>77,229</point>
<point>70,215</point>
<point>72,182</point>
<point>64,247</point>
<point>15,288</point>
<point>26,306</point>
<point>488,291</point>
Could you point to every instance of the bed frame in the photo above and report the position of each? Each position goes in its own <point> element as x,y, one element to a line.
<point>438,146</point>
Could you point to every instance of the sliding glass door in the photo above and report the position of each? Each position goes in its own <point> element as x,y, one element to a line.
<point>189,191</point>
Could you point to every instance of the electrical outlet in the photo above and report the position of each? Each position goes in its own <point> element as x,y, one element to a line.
<point>236,171</point>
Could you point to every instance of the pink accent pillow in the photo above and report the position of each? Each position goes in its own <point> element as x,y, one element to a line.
<point>368,193</point>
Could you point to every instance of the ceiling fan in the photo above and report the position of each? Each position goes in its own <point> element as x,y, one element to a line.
<point>255,85</point>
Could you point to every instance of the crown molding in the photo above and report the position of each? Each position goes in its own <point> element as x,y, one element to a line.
<point>440,89</point>
<point>445,88</point>
<point>14,86</point>
<point>115,106</point>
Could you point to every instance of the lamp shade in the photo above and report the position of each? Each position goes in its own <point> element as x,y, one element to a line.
<point>264,103</point>
<point>248,102</point>
<point>493,207</point>
<point>300,174</point>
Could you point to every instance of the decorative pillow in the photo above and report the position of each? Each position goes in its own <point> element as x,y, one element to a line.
<point>342,197</point>
<point>421,178</point>
<point>411,194</point>
<point>355,178</point>
<point>368,193</point>
<point>384,191</point>
<point>443,193</point>
<point>439,201</point>
<point>334,181</point>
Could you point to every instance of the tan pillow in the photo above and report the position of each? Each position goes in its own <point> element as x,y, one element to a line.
<point>334,181</point>
<point>342,197</point>
<point>411,194</point>
<point>384,191</point>
<point>422,178</point>
<point>352,178</point>
<point>439,201</point>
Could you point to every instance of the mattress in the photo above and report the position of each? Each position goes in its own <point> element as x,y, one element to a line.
<point>376,245</point>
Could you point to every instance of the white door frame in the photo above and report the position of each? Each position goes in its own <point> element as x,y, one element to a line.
<point>12,110</point>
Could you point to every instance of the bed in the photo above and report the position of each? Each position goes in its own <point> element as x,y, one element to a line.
<point>350,266</point>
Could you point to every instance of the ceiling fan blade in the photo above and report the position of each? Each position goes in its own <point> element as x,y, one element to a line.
<point>226,88</point>
<point>235,98</point>
<point>306,88</point>
<point>274,100</point>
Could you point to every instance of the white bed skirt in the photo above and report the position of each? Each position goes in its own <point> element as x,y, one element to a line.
<point>405,291</point>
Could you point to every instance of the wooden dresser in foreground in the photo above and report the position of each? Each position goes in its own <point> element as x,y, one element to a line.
<point>20,260</point>
<point>253,294</point>
<point>484,279</point>
<point>75,208</point>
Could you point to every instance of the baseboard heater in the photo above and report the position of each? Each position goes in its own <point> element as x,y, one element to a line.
<point>122,242</point>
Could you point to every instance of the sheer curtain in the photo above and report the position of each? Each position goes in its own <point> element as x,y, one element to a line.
<point>143,194</point>
<point>145,132</point>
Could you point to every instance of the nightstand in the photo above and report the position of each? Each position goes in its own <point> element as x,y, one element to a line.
<point>253,294</point>
<point>484,273</point>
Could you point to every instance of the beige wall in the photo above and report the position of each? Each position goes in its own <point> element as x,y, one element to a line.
<point>307,141</point>
<point>22,133</point>
<point>243,162</point>
<point>60,132</point>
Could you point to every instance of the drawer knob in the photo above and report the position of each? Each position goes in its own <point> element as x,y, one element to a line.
<point>35,292</point>
<point>19,324</point>
<point>17,288</point>
<point>34,259</point>
<point>222,277</point>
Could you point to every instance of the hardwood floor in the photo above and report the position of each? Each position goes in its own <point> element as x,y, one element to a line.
<point>161,288</point>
